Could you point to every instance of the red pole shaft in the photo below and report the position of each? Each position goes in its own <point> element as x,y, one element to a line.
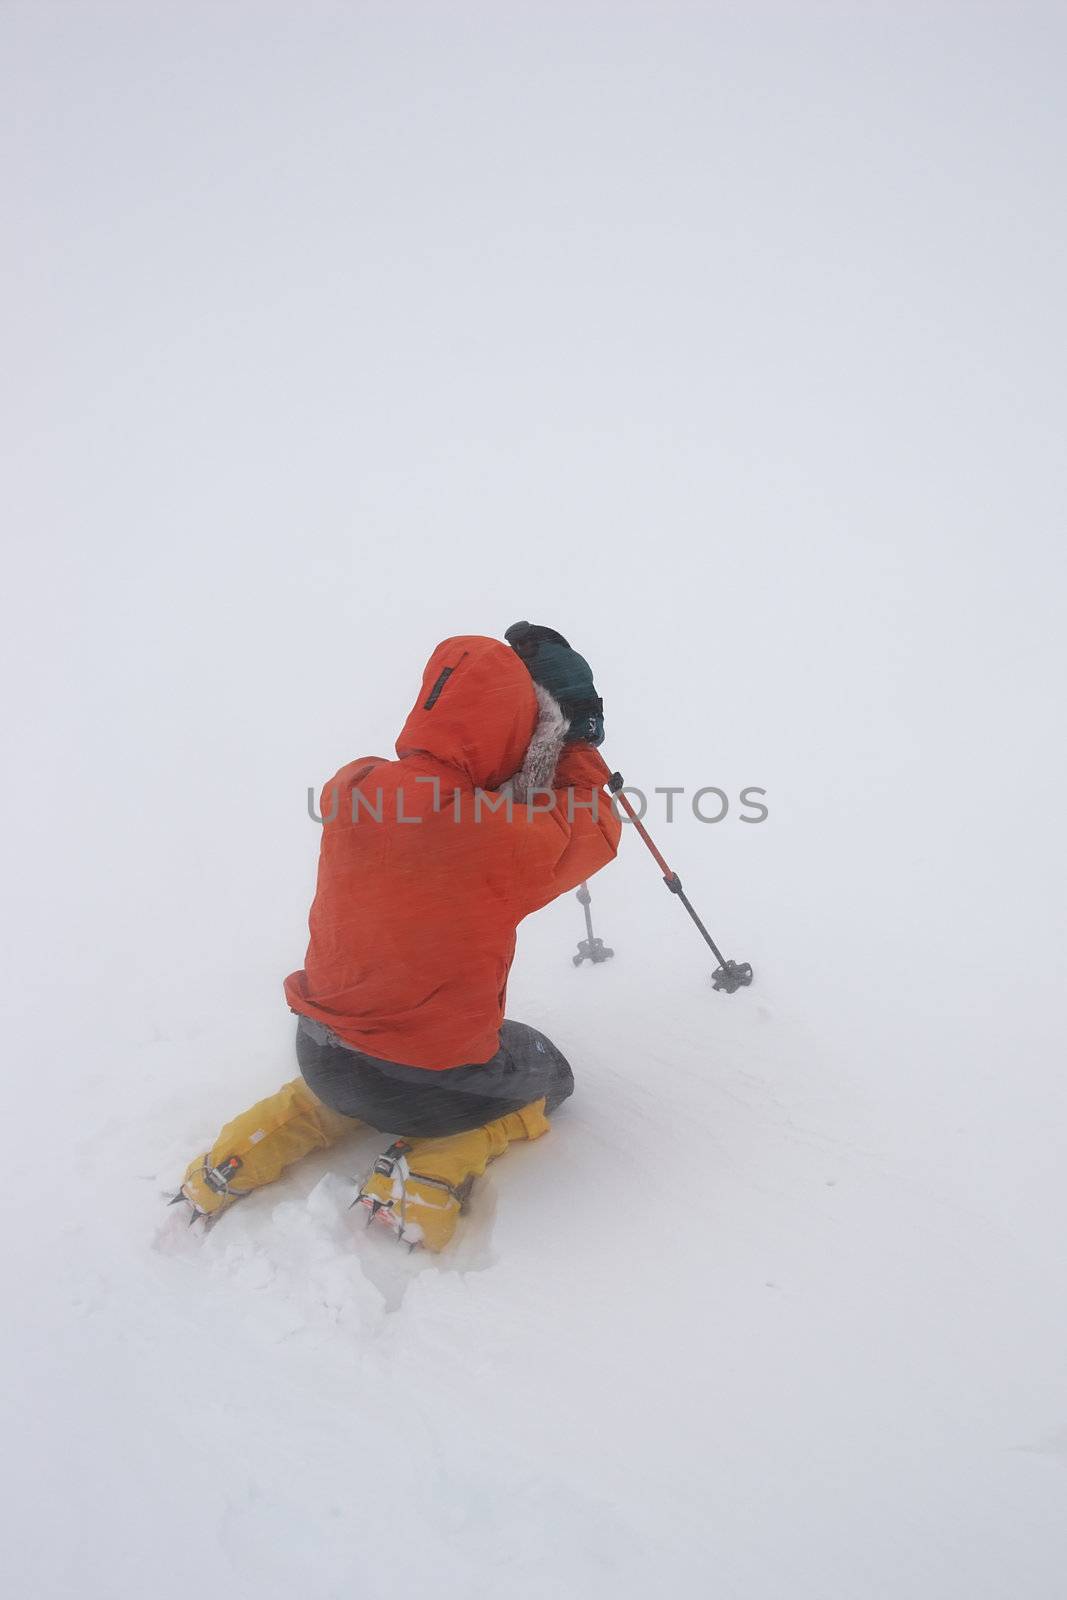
<point>643,831</point>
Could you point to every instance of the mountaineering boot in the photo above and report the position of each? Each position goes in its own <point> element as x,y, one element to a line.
<point>418,1187</point>
<point>206,1189</point>
<point>419,1208</point>
<point>256,1147</point>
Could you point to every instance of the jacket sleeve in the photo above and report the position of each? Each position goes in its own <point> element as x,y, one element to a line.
<point>335,801</point>
<point>558,846</point>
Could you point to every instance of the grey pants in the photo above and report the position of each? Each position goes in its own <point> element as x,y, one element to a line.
<point>417,1103</point>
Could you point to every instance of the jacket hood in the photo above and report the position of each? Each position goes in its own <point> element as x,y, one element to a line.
<point>476,710</point>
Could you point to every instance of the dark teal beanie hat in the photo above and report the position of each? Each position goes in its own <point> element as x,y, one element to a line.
<point>566,675</point>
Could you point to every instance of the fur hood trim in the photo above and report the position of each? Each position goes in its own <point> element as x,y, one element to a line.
<point>542,756</point>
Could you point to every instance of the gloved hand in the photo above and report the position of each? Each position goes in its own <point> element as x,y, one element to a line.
<point>565,674</point>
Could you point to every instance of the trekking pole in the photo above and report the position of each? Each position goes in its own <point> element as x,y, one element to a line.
<point>590,948</point>
<point>728,975</point>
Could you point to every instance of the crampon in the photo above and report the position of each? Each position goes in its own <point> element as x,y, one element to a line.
<point>207,1190</point>
<point>417,1208</point>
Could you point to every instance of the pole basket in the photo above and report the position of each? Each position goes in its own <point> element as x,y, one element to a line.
<point>731,976</point>
<point>590,948</point>
<point>594,950</point>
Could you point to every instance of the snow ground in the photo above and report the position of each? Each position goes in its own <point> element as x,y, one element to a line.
<point>731,345</point>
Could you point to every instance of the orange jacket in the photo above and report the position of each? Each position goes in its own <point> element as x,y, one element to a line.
<point>413,923</point>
